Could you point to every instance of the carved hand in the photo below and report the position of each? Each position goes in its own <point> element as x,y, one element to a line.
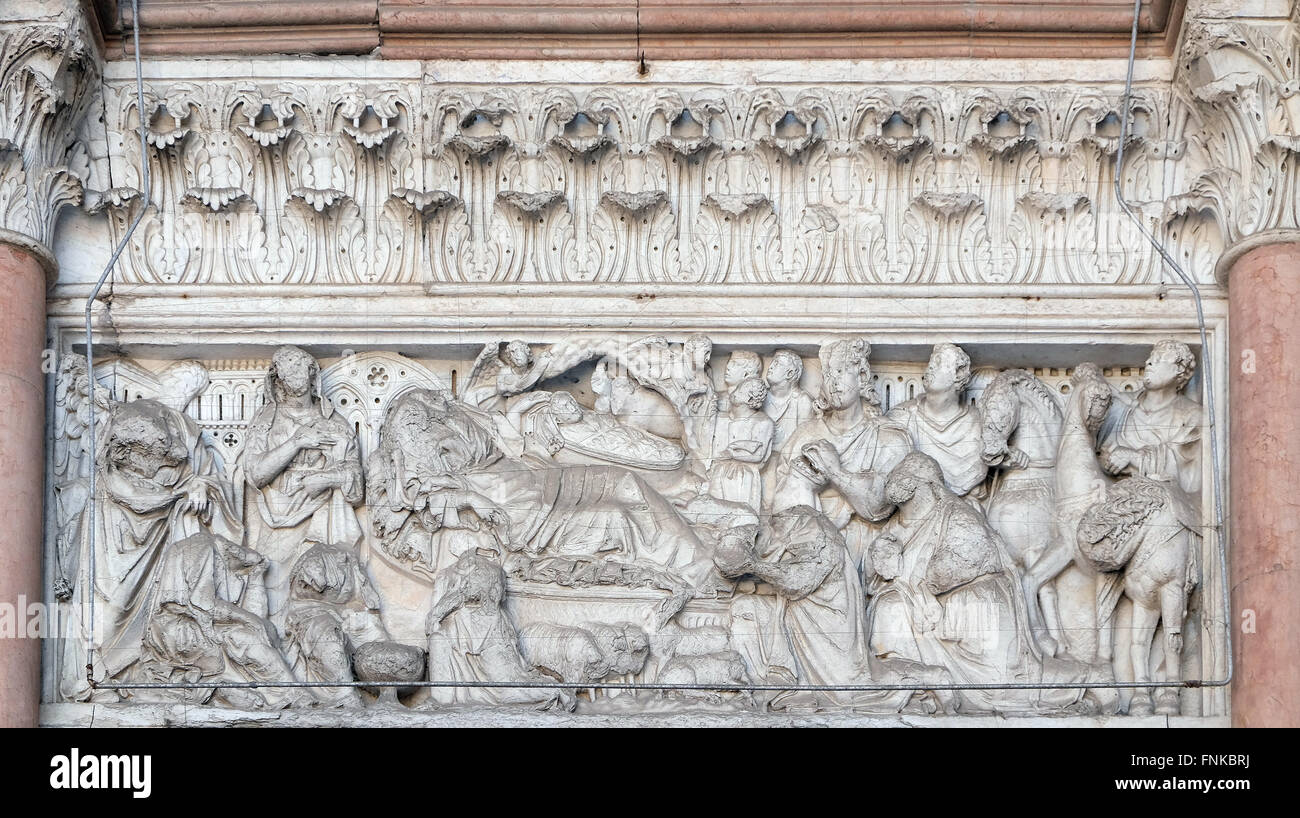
<point>886,556</point>
<point>491,514</point>
<point>1118,459</point>
<point>551,439</point>
<point>196,500</point>
<point>321,481</point>
<point>824,461</point>
<point>431,483</point>
<point>309,437</point>
<point>1017,458</point>
<point>743,449</point>
<point>931,615</point>
<point>1173,643</point>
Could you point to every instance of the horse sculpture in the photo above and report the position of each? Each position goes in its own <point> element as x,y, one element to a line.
<point>1021,426</point>
<point>1037,508</point>
<point>1145,532</point>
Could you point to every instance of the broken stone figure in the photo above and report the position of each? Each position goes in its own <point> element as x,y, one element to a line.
<point>204,629</point>
<point>70,463</point>
<point>333,610</point>
<point>805,622</point>
<point>148,494</point>
<point>471,640</point>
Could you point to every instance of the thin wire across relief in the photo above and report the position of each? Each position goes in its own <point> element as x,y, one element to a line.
<point>90,340</point>
<point>1207,368</point>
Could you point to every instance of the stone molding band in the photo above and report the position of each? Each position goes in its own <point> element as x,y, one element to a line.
<point>404,29</point>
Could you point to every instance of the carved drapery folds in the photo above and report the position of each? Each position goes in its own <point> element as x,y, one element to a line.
<point>46,77</point>
<point>989,528</point>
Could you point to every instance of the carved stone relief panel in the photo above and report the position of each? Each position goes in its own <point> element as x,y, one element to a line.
<point>602,510</point>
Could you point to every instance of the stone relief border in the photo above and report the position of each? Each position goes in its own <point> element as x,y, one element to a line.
<point>230,377</point>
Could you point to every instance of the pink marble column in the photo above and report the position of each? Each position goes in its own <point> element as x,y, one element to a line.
<point>1263,276</point>
<point>22,468</point>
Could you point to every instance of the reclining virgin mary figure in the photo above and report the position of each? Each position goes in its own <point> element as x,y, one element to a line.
<point>440,486</point>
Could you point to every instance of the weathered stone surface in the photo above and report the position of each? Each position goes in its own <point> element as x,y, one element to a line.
<point>581,387</point>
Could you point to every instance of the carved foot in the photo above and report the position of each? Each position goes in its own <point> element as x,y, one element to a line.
<point>1141,705</point>
<point>1168,702</point>
<point>563,701</point>
<point>1083,707</point>
<point>387,700</point>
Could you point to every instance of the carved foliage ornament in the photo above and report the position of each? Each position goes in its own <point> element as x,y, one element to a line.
<point>385,182</point>
<point>45,81</point>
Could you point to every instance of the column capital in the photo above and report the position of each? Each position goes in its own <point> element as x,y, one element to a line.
<point>1240,78</point>
<point>47,76</point>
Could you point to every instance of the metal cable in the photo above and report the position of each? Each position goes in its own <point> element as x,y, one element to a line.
<point>90,341</point>
<point>1207,369</point>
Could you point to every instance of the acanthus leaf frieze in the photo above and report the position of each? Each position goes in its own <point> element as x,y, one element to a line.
<point>387,182</point>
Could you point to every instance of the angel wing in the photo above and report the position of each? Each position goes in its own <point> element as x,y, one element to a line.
<point>488,360</point>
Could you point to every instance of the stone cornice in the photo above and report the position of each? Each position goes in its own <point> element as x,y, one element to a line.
<point>403,173</point>
<point>625,29</point>
<point>317,181</point>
